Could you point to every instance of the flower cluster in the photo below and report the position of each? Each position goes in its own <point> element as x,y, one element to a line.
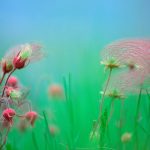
<point>12,97</point>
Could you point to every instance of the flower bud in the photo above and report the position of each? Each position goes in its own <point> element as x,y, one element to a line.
<point>12,82</point>
<point>8,115</point>
<point>31,116</point>
<point>7,66</point>
<point>22,57</point>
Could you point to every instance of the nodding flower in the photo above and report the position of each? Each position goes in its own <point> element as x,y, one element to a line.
<point>12,93</point>
<point>7,66</point>
<point>22,56</point>
<point>12,82</point>
<point>8,115</point>
<point>31,116</point>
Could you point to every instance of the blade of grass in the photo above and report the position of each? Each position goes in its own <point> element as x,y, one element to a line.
<point>34,141</point>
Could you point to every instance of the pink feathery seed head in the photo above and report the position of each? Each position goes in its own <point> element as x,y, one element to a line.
<point>31,116</point>
<point>8,115</point>
<point>136,51</point>
<point>12,82</point>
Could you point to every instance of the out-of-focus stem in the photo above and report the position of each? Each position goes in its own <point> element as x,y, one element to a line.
<point>136,119</point>
<point>111,111</point>
<point>102,103</point>
<point>7,80</point>
<point>2,78</point>
<point>121,122</point>
<point>5,139</point>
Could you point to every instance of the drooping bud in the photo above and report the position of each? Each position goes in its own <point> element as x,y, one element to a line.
<point>31,116</point>
<point>7,66</point>
<point>22,57</point>
<point>8,115</point>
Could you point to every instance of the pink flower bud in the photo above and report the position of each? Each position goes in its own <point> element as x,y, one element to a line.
<point>6,66</point>
<point>8,115</point>
<point>12,82</point>
<point>31,116</point>
<point>18,62</point>
<point>22,56</point>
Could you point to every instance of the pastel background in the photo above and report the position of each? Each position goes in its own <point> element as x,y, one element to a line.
<point>72,33</point>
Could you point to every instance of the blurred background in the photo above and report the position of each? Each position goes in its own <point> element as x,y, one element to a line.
<point>72,34</point>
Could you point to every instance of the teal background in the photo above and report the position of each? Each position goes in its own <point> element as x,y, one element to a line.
<point>72,33</point>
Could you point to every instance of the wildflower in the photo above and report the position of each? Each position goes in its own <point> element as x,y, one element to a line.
<point>8,115</point>
<point>12,93</point>
<point>22,57</point>
<point>115,94</point>
<point>7,65</point>
<point>135,55</point>
<point>126,137</point>
<point>31,116</point>
<point>111,63</point>
<point>12,82</point>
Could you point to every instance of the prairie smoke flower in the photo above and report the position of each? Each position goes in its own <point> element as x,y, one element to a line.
<point>23,54</point>
<point>12,93</point>
<point>135,55</point>
<point>12,82</point>
<point>8,115</point>
<point>111,63</point>
<point>114,94</point>
<point>6,65</point>
<point>31,116</point>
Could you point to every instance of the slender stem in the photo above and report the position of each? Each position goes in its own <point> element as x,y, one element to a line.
<point>111,112</point>
<point>136,119</point>
<point>35,141</point>
<point>2,78</point>
<point>121,122</point>
<point>7,81</point>
<point>102,103</point>
<point>5,138</point>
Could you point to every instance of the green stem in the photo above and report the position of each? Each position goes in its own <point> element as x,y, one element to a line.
<point>34,141</point>
<point>2,78</point>
<point>102,103</point>
<point>136,119</point>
